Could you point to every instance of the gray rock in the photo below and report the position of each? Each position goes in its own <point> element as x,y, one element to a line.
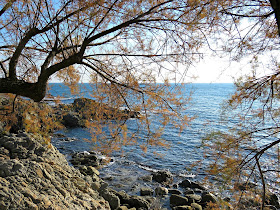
<point>189,184</point>
<point>208,197</point>
<point>40,177</point>
<point>196,206</point>
<point>146,191</point>
<point>160,191</point>
<point>193,198</point>
<point>112,199</point>
<point>174,191</point>
<point>162,177</point>
<point>182,208</point>
<point>147,178</point>
<point>138,202</point>
<point>71,120</point>
<point>177,200</point>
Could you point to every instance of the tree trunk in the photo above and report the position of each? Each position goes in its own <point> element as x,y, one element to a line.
<point>275,4</point>
<point>35,91</point>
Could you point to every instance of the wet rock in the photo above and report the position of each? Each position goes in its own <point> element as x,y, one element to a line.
<point>182,208</point>
<point>196,206</point>
<point>188,191</point>
<point>161,191</point>
<point>189,184</point>
<point>193,198</point>
<point>147,178</point>
<point>133,201</point>
<point>208,197</point>
<point>138,202</point>
<point>174,191</point>
<point>71,120</point>
<point>146,191</point>
<point>89,170</point>
<point>113,200</point>
<point>177,200</point>
<point>162,177</point>
<point>85,158</point>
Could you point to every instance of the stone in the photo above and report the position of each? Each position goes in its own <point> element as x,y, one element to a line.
<point>51,183</point>
<point>189,184</point>
<point>182,208</point>
<point>161,191</point>
<point>196,206</point>
<point>208,197</point>
<point>146,191</point>
<point>162,177</point>
<point>147,178</point>
<point>138,202</point>
<point>174,191</point>
<point>71,120</point>
<point>177,200</point>
<point>123,208</point>
<point>112,199</point>
<point>272,199</point>
<point>194,198</point>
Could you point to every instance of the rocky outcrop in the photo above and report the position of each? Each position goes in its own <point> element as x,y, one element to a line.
<point>164,177</point>
<point>84,109</point>
<point>34,175</point>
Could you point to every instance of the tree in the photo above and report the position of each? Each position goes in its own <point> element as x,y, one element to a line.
<point>247,154</point>
<point>115,40</point>
<point>123,43</point>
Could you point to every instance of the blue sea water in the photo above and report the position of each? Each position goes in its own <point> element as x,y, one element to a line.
<point>132,163</point>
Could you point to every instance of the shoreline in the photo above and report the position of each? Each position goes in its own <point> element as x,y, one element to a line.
<point>162,192</point>
<point>28,163</point>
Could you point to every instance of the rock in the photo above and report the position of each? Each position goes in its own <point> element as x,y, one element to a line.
<point>146,191</point>
<point>147,178</point>
<point>71,120</point>
<point>196,206</point>
<point>133,201</point>
<point>138,202</point>
<point>113,200</point>
<point>189,184</point>
<point>34,175</point>
<point>182,208</point>
<point>160,191</point>
<point>272,199</point>
<point>193,198</point>
<point>85,159</point>
<point>162,177</point>
<point>174,191</point>
<point>188,191</point>
<point>177,200</point>
<point>88,170</point>
<point>123,208</point>
<point>208,197</point>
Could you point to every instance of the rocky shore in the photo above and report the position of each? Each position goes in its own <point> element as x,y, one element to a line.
<point>35,175</point>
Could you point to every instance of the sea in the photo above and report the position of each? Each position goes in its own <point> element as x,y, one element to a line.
<point>127,168</point>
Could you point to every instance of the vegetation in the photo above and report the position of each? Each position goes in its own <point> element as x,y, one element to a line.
<point>119,45</point>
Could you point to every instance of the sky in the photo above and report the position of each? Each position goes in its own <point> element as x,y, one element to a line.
<point>212,70</point>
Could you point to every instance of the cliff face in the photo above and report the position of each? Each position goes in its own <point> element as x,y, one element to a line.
<point>34,175</point>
